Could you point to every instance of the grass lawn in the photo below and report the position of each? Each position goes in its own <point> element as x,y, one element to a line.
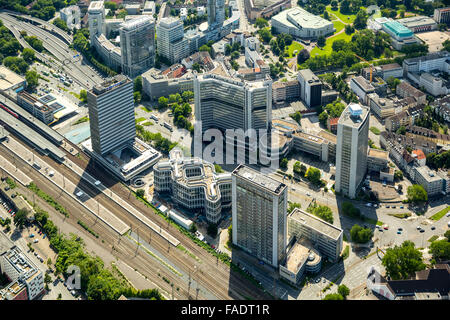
<point>338,25</point>
<point>140,119</point>
<point>344,17</point>
<point>327,48</point>
<point>440,214</point>
<point>145,109</point>
<point>375,130</point>
<point>294,46</point>
<point>433,238</point>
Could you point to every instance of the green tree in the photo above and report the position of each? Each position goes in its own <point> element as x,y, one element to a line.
<point>359,234</point>
<point>398,175</point>
<point>20,218</point>
<point>261,23</point>
<point>440,250</point>
<point>212,230</point>
<point>447,235</point>
<point>297,116</point>
<point>58,22</point>
<point>205,48</point>
<point>313,175</point>
<point>163,102</point>
<point>193,228</point>
<point>321,41</point>
<point>265,35</point>
<point>47,278</point>
<point>137,97</point>
<point>360,20</point>
<point>284,163</point>
<point>138,84</point>
<point>302,56</point>
<point>323,212</point>
<point>416,193</point>
<point>292,206</point>
<point>343,290</point>
<point>349,29</point>
<point>187,96</point>
<point>323,118</point>
<point>333,296</point>
<point>403,261</point>
<point>218,168</point>
<point>28,55</point>
<point>350,210</point>
<point>401,130</point>
<point>83,95</point>
<point>32,79</point>
<point>140,193</point>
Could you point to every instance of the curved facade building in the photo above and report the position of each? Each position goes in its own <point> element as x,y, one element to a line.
<point>299,23</point>
<point>194,184</point>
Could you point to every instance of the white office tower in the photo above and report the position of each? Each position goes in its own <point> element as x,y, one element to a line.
<point>111,114</point>
<point>259,215</point>
<point>137,45</point>
<point>170,40</point>
<point>351,150</point>
<point>227,103</point>
<point>96,19</point>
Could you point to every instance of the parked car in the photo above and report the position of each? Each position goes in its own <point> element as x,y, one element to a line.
<point>422,230</point>
<point>433,228</point>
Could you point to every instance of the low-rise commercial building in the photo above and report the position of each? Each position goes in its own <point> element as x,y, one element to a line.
<point>285,91</point>
<point>156,85</point>
<point>38,109</point>
<point>419,23</point>
<point>301,258</point>
<point>324,236</point>
<point>442,15</point>
<point>394,122</point>
<point>377,160</point>
<point>388,138</point>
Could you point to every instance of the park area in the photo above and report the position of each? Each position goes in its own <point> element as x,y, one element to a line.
<point>327,49</point>
<point>294,46</point>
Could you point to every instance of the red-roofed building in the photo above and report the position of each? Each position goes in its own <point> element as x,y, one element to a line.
<point>419,156</point>
<point>332,124</point>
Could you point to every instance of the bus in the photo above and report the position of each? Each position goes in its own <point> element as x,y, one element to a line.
<point>168,126</point>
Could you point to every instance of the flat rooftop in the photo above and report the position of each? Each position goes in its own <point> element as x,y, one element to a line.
<point>110,84</point>
<point>34,137</point>
<point>259,179</point>
<point>353,121</point>
<point>316,223</point>
<point>428,174</point>
<point>416,21</point>
<point>378,154</point>
<point>328,136</point>
<point>25,114</point>
<point>299,253</point>
<point>301,19</point>
<point>307,74</point>
<point>9,79</point>
<point>363,83</point>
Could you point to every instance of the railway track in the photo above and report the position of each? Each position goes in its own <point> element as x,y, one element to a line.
<point>213,276</point>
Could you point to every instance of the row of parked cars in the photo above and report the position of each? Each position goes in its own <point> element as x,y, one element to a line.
<point>7,207</point>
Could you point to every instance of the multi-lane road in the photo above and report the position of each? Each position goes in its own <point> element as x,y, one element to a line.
<point>68,60</point>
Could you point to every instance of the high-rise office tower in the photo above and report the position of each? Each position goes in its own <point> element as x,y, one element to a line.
<point>211,12</point>
<point>111,114</point>
<point>137,45</point>
<point>170,40</point>
<point>351,150</point>
<point>216,12</point>
<point>226,103</point>
<point>310,88</point>
<point>96,19</point>
<point>259,205</point>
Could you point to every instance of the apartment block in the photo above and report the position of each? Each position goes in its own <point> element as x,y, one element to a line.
<point>38,109</point>
<point>310,88</point>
